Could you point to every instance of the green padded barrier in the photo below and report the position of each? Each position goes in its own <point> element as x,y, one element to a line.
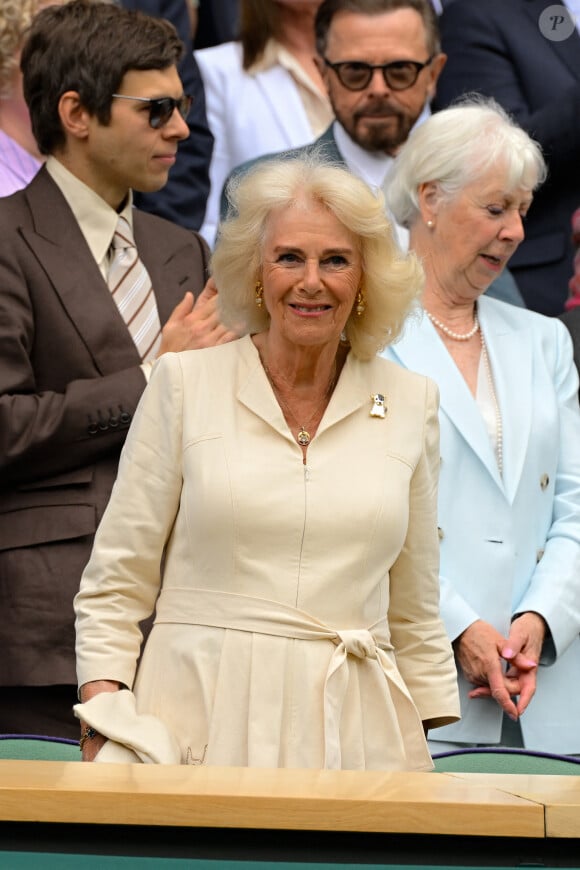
<point>54,861</point>
<point>505,762</point>
<point>33,749</point>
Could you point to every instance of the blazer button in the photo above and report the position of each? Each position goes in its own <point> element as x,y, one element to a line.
<point>124,418</point>
<point>544,481</point>
<point>440,532</point>
<point>92,429</point>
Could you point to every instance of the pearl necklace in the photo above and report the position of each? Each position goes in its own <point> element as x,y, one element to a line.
<point>498,420</point>
<point>456,336</point>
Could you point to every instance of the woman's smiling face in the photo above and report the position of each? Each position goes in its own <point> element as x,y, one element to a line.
<point>311,271</point>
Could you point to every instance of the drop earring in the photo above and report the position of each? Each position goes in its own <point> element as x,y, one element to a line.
<point>259,294</point>
<point>360,304</point>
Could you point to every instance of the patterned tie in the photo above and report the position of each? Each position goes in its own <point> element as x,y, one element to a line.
<point>131,289</point>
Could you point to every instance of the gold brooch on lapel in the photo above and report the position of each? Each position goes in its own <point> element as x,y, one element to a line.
<point>378,408</point>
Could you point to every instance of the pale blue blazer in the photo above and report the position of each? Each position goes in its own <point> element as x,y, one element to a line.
<point>513,544</point>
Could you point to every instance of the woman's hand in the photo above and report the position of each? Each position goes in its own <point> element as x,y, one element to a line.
<point>91,741</point>
<point>523,651</point>
<point>481,651</point>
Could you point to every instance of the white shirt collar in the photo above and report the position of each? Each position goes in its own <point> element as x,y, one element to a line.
<point>372,167</point>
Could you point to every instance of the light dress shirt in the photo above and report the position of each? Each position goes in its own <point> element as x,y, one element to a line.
<point>17,166</point>
<point>373,167</point>
<point>316,103</point>
<point>96,219</point>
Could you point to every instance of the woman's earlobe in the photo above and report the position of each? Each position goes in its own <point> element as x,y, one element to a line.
<point>428,197</point>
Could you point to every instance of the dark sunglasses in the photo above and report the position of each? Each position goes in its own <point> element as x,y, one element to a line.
<point>398,75</point>
<point>162,108</point>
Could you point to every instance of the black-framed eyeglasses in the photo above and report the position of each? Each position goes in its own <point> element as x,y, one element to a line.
<point>398,75</point>
<point>162,108</point>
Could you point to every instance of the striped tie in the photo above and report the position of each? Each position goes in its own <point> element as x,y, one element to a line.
<point>131,289</point>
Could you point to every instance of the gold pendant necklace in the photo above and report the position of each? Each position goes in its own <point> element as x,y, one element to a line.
<point>303,437</point>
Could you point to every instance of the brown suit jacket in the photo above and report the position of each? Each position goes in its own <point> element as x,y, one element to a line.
<point>70,381</point>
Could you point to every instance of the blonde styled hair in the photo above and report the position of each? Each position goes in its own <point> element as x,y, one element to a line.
<point>391,281</point>
<point>15,18</point>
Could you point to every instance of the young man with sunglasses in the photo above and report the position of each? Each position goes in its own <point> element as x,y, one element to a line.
<point>107,109</point>
<point>183,199</point>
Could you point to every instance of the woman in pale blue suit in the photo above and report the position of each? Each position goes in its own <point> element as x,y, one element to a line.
<point>509,497</point>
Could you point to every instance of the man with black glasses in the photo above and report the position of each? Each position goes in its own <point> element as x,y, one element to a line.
<point>380,60</point>
<point>91,292</point>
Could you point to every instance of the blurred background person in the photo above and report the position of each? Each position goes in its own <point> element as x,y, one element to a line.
<point>571,316</point>
<point>510,51</point>
<point>215,21</point>
<point>509,490</point>
<point>297,625</point>
<point>264,93</point>
<point>20,158</point>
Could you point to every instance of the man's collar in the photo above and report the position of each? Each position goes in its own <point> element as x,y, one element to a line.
<point>371,166</point>
<point>95,217</point>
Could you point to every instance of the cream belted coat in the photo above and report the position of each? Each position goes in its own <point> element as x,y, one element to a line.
<point>297,620</point>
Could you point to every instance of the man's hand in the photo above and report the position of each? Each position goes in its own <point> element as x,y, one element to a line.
<point>192,326</point>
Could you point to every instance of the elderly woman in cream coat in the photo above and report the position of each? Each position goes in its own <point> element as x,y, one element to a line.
<point>509,496</point>
<point>276,508</point>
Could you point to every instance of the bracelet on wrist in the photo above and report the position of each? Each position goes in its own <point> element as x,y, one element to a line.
<point>88,733</point>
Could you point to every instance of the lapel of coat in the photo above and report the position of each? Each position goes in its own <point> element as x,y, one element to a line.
<point>58,244</point>
<point>255,392</point>
<point>174,259</point>
<point>568,50</point>
<point>286,109</point>
<point>421,350</point>
<point>55,239</point>
<point>509,347</point>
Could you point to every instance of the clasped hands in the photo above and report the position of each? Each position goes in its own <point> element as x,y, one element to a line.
<point>482,652</point>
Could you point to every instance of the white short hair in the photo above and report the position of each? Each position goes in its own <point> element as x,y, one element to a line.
<point>456,147</point>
